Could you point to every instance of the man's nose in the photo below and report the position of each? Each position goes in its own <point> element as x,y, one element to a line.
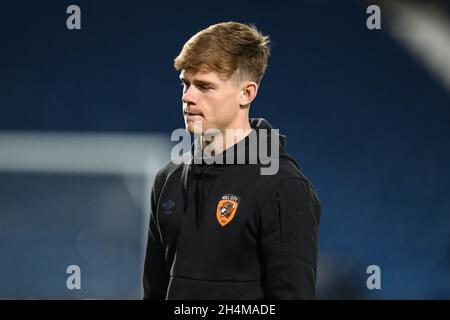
<point>188,96</point>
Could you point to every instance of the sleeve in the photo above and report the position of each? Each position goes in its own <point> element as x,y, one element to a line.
<point>289,240</point>
<point>156,277</point>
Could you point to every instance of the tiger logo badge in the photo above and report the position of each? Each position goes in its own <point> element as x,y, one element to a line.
<point>226,208</point>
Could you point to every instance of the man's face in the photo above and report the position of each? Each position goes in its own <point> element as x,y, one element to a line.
<point>210,100</point>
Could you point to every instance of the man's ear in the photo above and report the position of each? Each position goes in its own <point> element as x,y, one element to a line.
<point>249,90</point>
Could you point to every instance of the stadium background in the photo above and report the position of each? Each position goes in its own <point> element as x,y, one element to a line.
<point>86,117</point>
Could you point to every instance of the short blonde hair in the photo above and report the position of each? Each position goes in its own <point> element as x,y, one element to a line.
<point>226,48</point>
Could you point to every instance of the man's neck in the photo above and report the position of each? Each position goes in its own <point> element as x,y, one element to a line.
<point>216,144</point>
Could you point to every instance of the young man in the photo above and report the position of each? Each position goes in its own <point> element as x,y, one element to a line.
<point>222,229</point>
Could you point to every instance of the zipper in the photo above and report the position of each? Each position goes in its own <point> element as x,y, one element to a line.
<point>281,218</point>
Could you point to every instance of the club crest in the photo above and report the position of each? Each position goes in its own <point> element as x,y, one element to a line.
<point>226,208</point>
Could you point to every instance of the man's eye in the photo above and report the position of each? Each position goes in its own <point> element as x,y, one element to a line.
<point>202,87</point>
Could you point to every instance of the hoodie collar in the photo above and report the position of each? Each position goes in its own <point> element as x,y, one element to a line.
<point>257,124</point>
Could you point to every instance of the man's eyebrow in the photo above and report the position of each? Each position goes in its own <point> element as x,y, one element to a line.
<point>203,82</point>
<point>198,82</point>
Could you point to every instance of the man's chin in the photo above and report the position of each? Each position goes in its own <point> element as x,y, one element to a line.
<point>194,128</point>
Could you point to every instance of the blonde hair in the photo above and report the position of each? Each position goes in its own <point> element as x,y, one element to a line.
<point>226,48</point>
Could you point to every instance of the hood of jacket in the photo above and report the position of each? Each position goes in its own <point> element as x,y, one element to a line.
<point>202,168</point>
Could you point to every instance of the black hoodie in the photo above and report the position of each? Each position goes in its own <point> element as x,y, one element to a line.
<point>225,231</point>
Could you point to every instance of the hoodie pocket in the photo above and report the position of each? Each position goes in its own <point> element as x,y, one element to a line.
<point>281,214</point>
